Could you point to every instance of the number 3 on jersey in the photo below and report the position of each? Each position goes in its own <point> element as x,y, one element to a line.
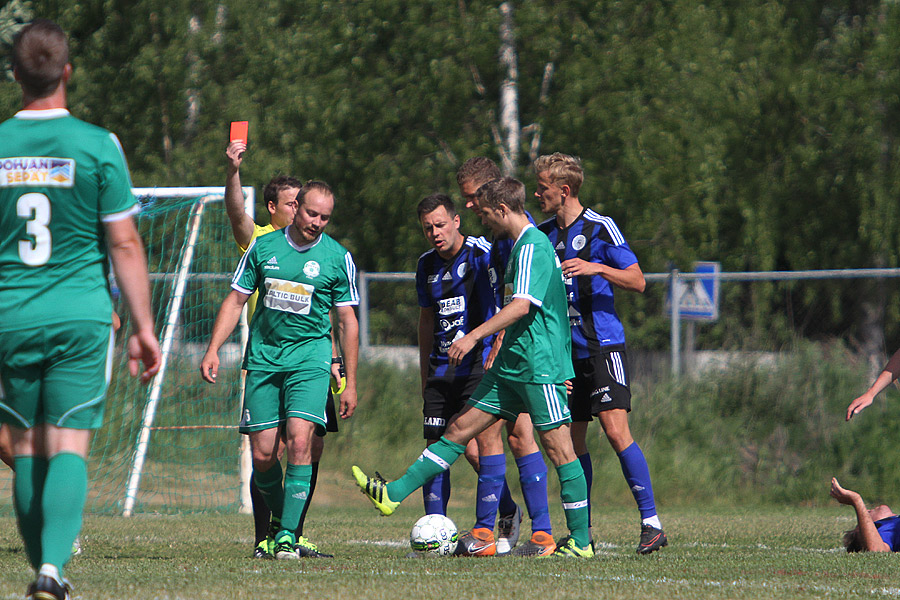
<point>35,208</point>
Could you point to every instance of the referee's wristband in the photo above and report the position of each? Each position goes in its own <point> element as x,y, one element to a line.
<point>337,360</point>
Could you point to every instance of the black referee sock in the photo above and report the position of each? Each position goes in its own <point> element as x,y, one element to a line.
<point>261,513</point>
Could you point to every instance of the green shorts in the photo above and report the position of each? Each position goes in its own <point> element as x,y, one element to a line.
<point>56,375</point>
<point>545,402</point>
<point>271,398</point>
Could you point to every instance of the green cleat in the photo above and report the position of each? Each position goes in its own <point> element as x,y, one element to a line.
<point>375,489</point>
<point>306,549</point>
<point>567,547</point>
<point>284,546</point>
<point>264,549</point>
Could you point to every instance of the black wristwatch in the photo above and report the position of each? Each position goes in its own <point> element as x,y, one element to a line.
<point>337,360</point>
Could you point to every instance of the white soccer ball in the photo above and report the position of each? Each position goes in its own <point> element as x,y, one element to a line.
<point>435,534</point>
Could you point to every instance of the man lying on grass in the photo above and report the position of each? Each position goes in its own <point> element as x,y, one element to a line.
<point>877,530</point>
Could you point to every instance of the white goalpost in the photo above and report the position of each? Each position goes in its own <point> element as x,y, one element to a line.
<point>171,335</point>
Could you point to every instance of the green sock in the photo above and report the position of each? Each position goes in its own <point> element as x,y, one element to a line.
<point>573,491</point>
<point>65,492</point>
<point>28,488</point>
<point>269,485</point>
<point>435,459</point>
<point>296,493</point>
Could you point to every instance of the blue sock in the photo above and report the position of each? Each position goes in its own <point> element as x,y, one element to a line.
<point>637,474</point>
<point>585,460</point>
<point>436,494</point>
<point>507,505</point>
<point>533,477</point>
<point>491,477</point>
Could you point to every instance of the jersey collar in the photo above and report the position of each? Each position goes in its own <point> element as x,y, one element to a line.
<point>49,113</point>
<point>304,247</point>
<point>565,227</point>
<point>521,233</point>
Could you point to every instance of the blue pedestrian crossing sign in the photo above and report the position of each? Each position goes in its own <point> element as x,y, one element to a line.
<point>699,298</point>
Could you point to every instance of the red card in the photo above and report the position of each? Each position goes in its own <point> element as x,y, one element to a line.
<point>239,130</point>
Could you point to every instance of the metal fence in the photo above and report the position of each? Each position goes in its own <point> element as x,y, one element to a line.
<point>821,304</point>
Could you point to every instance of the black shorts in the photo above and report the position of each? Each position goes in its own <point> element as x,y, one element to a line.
<point>600,384</point>
<point>331,421</point>
<point>444,397</point>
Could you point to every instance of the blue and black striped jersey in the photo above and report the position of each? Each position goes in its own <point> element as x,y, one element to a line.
<point>592,313</point>
<point>459,291</point>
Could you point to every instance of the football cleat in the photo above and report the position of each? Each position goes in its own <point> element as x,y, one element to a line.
<point>540,544</point>
<point>306,549</point>
<point>478,542</point>
<point>508,531</point>
<point>284,546</point>
<point>262,549</point>
<point>567,547</point>
<point>50,588</point>
<point>652,539</point>
<point>375,490</point>
<point>76,547</point>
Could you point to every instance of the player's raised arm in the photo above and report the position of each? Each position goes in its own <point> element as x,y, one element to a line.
<point>241,223</point>
<point>871,540</point>
<point>126,252</point>
<point>226,321</point>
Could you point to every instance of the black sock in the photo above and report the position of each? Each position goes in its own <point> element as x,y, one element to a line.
<point>261,513</point>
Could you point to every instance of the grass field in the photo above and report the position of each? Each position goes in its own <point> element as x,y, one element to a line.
<point>713,553</point>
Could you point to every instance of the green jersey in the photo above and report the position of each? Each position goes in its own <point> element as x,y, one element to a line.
<point>297,287</point>
<point>258,230</point>
<point>538,347</point>
<point>60,179</point>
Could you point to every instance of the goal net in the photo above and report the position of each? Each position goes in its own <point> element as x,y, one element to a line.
<point>173,445</point>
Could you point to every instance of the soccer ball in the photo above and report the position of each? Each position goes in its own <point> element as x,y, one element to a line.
<point>435,534</point>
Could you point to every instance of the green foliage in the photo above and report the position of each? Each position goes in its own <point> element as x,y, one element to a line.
<point>773,433</point>
<point>760,134</point>
<point>14,15</point>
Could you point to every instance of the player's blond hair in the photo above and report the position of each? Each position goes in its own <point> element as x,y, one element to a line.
<point>561,168</point>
